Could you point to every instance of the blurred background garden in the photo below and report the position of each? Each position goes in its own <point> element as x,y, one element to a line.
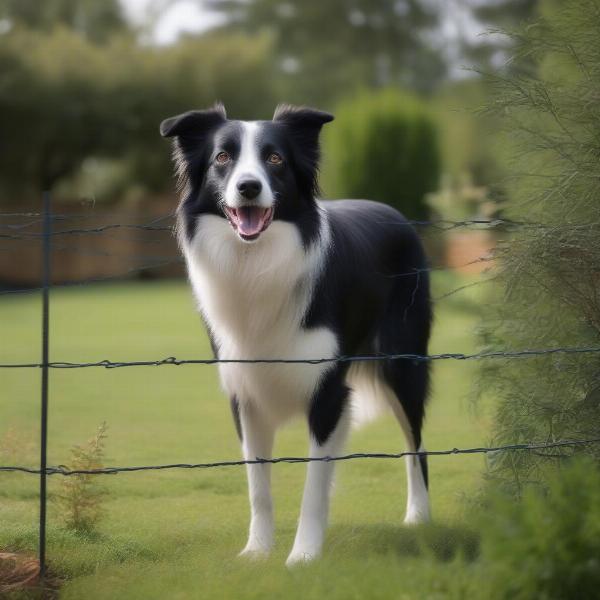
<point>478,119</point>
<point>85,83</point>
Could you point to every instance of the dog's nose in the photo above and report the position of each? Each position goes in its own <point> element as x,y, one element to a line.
<point>249,188</point>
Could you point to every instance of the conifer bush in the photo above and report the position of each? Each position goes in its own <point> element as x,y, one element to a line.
<point>384,146</point>
<point>81,495</point>
<point>547,288</point>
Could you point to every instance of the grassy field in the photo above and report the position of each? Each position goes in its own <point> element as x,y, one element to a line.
<point>176,534</point>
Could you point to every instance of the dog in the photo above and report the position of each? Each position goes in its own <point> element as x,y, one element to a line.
<point>279,274</point>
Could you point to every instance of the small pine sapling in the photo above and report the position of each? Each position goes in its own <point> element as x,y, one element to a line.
<point>80,496</point>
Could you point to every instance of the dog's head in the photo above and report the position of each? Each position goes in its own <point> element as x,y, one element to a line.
<point>249,172</point>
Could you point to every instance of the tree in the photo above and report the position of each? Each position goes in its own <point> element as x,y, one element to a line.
<point>324,50</point>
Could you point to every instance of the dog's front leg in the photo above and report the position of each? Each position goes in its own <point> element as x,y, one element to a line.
<point>257,442</point>
<point>328,420</point>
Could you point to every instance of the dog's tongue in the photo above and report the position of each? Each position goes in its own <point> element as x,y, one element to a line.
<point>251,219</point>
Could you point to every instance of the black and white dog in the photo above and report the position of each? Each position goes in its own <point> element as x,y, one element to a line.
<point>280,274</point>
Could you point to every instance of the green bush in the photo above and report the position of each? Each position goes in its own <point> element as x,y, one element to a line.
<point>547,546</point>
<point>383,146</point>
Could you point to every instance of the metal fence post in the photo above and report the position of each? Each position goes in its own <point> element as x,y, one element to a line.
<point>46,264</point>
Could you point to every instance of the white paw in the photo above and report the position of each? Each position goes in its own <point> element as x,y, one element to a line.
<point>298,558</point>
<point>255,552</point>
<point>414,517</point>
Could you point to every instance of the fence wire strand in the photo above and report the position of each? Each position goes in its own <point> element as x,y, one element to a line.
<point>153,225</point>
<point>171,360</point>
<point>38,227</point>
<point>124,275</point>
<point>439,224</point>
<point>534,447</point>
<point>160,262</point>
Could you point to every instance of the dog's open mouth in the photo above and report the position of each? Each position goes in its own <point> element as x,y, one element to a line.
<point>249,221</point>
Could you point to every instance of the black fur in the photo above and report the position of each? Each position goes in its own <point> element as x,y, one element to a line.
<point>235,413</point>
<point>328,403</point>
<point>374,293</point>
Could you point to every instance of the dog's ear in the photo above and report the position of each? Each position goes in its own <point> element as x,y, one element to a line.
<point>191,134</point>
<point>304,125</point>
<point>194,123</point>
<point>302,118</point>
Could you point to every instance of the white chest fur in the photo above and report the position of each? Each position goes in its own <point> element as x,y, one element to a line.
<point>254,298</point>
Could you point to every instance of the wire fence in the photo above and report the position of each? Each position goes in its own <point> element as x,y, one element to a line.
<point>171,360</point>
<point>62,470</point>
<point>167,262</point>
<point>47,236</point>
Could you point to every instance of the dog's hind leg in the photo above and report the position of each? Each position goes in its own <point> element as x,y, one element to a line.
<point>257,442</point>
<point>329,420</point>
<point>408,382</point>
<point>405,329</point>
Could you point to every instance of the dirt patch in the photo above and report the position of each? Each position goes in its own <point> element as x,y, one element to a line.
<point>21,573</point>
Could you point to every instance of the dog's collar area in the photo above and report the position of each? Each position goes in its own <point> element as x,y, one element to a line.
<point>249,221</point>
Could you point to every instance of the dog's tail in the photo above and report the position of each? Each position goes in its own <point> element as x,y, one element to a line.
<point>368,400</point>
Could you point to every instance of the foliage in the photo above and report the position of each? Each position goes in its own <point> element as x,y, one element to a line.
<point>57,105</point>
<point>384,146</point>
<point>93,20</point>
<point>65,101</point>
<point>488,51</point>
<point>548,284</point>
<point>467,133</point>
<point>80,94</point>
<point>325,50</point>
<point>80,496</point>
<point>548,545</point>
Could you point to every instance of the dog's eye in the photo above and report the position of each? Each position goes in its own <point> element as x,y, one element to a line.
<point>274,159</point>
<point>223,158</point>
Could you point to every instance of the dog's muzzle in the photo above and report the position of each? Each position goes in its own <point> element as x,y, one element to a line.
<point>249,221</point>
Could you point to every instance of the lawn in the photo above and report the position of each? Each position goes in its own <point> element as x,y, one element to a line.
<point>176,534</point>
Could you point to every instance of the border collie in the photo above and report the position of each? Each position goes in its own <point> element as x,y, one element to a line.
<point>278,273</point>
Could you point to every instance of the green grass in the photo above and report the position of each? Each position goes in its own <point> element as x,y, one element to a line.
<point>176,534</point>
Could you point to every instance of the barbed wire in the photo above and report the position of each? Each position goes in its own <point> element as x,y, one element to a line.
<point>99,251</point>
<point>123,276</point>
<point>88,230</point>
<point>160,262</point>
<point>39,228</point>
<point>535,446</point>
<point>91,214</point>
<point>131,257</point>
<point>171,360</point>
<point>441,224</point>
